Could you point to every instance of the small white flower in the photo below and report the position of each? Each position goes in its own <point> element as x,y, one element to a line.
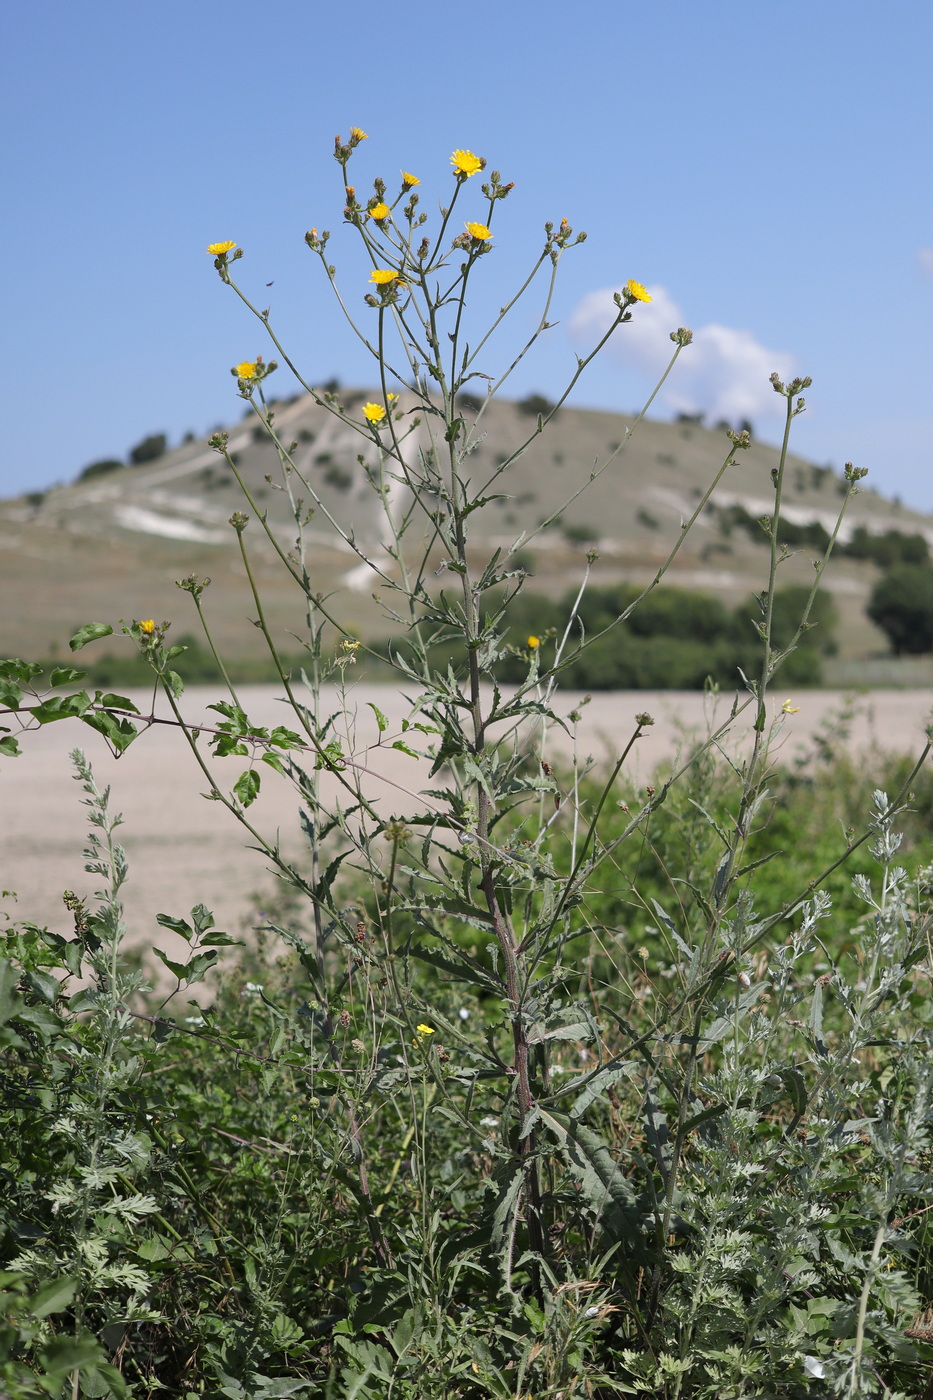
<point>814,1367</point>
<point>489,1122</point>
<point>254,986</point>
<point>463,1014</point>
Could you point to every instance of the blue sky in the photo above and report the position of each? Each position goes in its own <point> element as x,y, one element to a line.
<point>764,170</point>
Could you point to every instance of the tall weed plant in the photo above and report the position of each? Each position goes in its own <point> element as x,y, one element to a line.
<point>548,1087</point>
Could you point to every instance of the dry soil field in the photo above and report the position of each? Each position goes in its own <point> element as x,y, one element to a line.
<point>183,849</point>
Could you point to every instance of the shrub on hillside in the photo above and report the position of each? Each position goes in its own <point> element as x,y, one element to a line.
<point>149,449</point>
<point>101,468</point>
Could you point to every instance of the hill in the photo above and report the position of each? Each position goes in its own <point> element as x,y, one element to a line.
<point>112,545</point>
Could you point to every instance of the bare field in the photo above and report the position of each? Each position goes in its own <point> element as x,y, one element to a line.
<point>184,849</point>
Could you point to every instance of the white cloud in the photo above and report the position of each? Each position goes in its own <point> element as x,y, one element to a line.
<point>724,373</point>
<point>925,259</point>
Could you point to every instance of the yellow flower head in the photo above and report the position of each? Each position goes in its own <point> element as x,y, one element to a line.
<point>383,276</point>
<point>379,211</point>
<point>246,370</point>
<point>466,163</point>
<point>636,291</point>
<point>357,134</point>
<point>216,249</point>
<point>788,709</point>
<point>479,232</point>
<point>424,1031</point>
<point>373,412</point>
<point>409,181</point>
<point>534,643</point>
<point>147,627</point>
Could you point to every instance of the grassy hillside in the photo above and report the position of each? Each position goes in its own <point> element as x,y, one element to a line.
<point>112,545</point>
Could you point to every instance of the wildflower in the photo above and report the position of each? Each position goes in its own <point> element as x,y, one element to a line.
<point>464,1014</point>
<point>373,412</point>
<point>788,709</point>
<point>147,627</point>
<point>424,1031</point>
<point>383,276</point>
<point>534,643</point>
<point>246,369</point>
<point>218,249</point>
<point>357,134</point>
<point>350,645</point>
<point>636,291</point>
<point>409,181</point>
<point>379,211</point>
<point>465,163</point>
<point>478,232</point>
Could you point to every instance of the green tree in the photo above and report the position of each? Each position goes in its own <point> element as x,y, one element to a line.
<point>901,604</point>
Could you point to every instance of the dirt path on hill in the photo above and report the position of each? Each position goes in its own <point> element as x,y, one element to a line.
<point>183,849</point>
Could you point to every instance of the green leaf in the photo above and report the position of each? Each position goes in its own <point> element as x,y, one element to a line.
<point>9,746</point>
<point>14,669</point>
<point>604,1186</point>
<point>175,683</point>
<point>246,786</point>
<point>44,985</point>
<point>10,694</point>
<point>119,732</point>
<point>177,969</point>
<point>54,1296</point>
<point>9,1001</point>
<point>381,720</point>
<point>61,707</point>
<point>179,926</point>
<point>114,702</point>
<point>89,633</point>
<point>403,748</point>
<point>66,675</point>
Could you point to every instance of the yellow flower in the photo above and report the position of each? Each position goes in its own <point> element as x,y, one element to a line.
<point>357,134</point>
<point>391,397</point>
<point>424,1030</point>
<point>382,276</point>
<point>788,709</point>
<point>636,291</point>
<point>466,163</point>
<point>373,412</point>
<point>147,627</point>
<point>409,180</point>
<point>246,370</point>
<point>216,249</point>
<point>479,232</point>
<point>379,211</point>
<point>534,643</point>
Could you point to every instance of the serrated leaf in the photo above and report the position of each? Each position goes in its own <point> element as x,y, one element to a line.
<point>246,786</point>
<point>89,633</point>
